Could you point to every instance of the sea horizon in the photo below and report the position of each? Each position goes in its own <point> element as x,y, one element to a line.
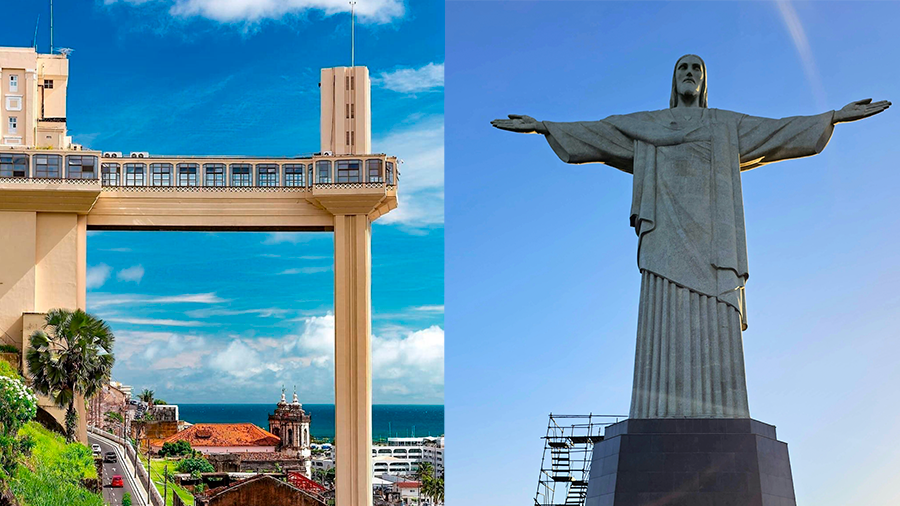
<point>388,420</point>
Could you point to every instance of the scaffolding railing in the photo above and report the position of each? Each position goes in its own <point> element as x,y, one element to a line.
<point>566,462</point>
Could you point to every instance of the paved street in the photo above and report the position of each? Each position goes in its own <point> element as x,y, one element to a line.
<point>113,496</point>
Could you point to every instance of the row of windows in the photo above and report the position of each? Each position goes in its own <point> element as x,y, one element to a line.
<point>189,174</point>
<point>48,166</point>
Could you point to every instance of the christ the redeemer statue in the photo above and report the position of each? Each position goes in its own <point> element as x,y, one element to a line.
<point>688,213</point>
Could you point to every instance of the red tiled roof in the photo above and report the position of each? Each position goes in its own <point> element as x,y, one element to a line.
<point>408,484</point>
<point>224,434</point>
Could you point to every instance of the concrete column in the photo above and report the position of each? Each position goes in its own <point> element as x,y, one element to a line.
<point>352,360</point>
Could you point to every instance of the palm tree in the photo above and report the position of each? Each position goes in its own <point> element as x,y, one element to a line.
<point>72,357</point>
<point>147,396</point>
<point>424,475</point>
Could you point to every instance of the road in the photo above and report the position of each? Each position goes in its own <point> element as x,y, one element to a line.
<point>113,496</point>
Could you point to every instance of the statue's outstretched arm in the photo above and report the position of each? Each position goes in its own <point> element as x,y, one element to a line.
<point>521,124</point>
<point>860,109</point>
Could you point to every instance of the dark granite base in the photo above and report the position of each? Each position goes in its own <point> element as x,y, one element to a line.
<point>690,462</point>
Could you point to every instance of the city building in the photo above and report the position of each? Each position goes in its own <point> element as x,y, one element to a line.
<point>400,456</point>
<point>258,490</point>
<point>217,438</point>
<point>52,188</point>
<point>33,95</point>
<point>291,424</point>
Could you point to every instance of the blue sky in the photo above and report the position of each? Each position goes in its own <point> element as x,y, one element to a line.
<point>230,317</point>
<point>542,282</point>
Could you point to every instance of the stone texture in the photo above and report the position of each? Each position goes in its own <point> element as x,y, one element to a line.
<point>690,462</point>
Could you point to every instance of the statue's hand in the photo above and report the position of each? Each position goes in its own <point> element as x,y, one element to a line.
<point>521,124</point>
<point>859,110</point>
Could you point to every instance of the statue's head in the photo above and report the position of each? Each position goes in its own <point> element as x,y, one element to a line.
<point>689,78</point>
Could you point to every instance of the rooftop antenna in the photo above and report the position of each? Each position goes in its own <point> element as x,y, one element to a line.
<point>34,39</point>
<point>51,26</point>
<point>352,33</point>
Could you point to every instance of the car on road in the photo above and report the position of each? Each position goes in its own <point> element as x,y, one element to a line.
<point>95,449</point>
<point>110,457</point>
<point>117,482</point>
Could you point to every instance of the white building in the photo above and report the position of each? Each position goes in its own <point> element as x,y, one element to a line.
<point>402,455</point>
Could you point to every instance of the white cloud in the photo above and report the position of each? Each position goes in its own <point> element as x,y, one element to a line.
<point>316,342</point>
<point>407,364</point>
<point>286,237</point>
<point>306,270</point>
<point>112,299</point>
<point>158,322</point>
<point>197,298</point>
<point>262,313</point>
<point>408,80</point>
<point>421,186</point>
<point>241,361</point>
<point>413,364</point>
<point>134,274</point>
<point>252,11</point>
<point>430,309</point>
<point>97,275</point>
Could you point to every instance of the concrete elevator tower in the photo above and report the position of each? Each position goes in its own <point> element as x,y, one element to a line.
<point>346,118</point>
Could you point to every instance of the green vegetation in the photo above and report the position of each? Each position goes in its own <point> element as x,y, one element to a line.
<point>8,348</point>
<point>431,486</point>
<point>146,396</point>
<point>157,468</point>
<point>18,405</point>
<point>112,415</point>
<point>175,449</point>
<point>52,474</point>
<point>126,499</point>
<point>8,370</point>
<point>195,465</point>
<point>324,477</point>
<point>74,357</point>
<point>160,402</point>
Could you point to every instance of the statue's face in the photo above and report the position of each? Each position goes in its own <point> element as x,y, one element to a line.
<point>689,76</point>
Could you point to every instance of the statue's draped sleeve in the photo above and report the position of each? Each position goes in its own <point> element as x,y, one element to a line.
<point>764,140</point>
<point>591,142</point>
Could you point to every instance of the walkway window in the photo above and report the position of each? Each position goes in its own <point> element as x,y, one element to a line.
<point>110,175</point>
<point>348,171</point>
<point>266,174</point>
<point>187,174</point>
<point>81,167</point>
<point>390,173</point>
<point>240,174</point>
<point>293,174</point>
<point>309,180</point>
<point>134,174</point>
<point>49,166</point>
<point>373,171</point>
<point>13,165</point>
<point>323,169</point>
<point>215,174</point>
<point>160,174</point>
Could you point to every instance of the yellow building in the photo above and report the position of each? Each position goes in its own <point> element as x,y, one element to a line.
<point>33,95</point>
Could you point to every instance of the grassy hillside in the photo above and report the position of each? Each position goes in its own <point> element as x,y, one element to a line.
<point>52,475</point>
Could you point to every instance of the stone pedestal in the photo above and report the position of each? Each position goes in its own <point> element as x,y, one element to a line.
<point>690,462</point>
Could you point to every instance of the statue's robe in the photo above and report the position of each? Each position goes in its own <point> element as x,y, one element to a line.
<point>688,213</point>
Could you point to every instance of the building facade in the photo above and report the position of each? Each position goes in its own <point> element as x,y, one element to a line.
<point>33,95</point>
<point>291,424</point>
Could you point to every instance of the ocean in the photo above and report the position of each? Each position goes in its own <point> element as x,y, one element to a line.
<point>388,420</point>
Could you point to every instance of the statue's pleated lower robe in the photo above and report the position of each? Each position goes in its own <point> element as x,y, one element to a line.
<point>688,213</point>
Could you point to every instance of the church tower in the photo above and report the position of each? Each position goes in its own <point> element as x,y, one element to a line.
<point>291,424</point>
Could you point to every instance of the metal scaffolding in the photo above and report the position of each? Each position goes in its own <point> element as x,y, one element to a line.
<point>566,463</point>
